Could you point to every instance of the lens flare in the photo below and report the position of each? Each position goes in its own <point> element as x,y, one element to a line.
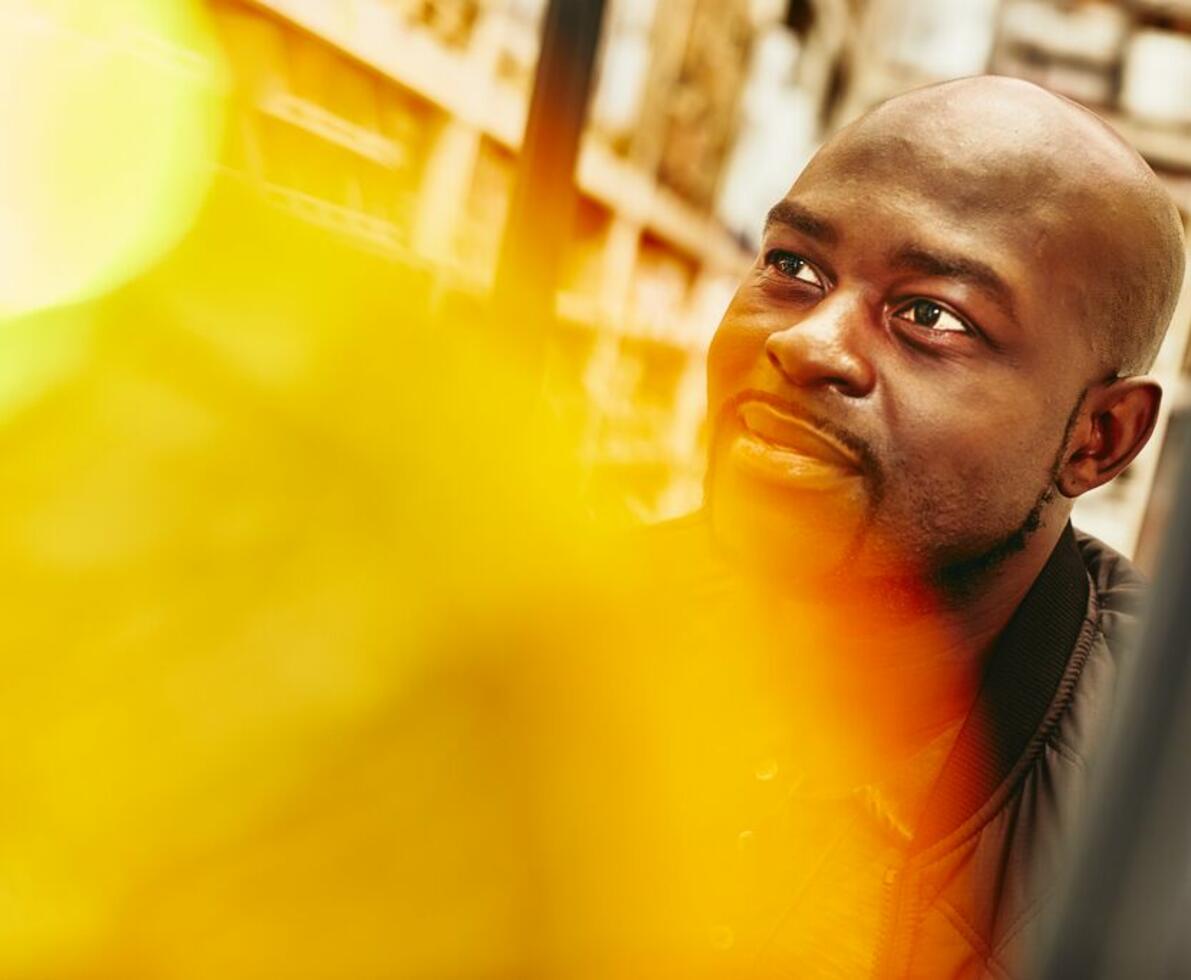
<point>111,119</point>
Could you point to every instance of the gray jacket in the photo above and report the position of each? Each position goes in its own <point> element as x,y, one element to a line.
<point>969,902</point>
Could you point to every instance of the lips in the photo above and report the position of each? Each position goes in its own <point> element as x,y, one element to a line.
<point>788,435</point>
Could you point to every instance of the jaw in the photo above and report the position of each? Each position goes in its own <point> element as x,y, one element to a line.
<point>833,545</point>
<point>784,532</point>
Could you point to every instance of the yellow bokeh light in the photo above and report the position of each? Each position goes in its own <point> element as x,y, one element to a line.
<point>111,119</point>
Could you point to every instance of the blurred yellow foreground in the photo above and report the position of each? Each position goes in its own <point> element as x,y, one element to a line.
<point>316,663</point>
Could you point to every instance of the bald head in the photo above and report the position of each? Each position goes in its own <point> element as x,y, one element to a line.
<point>950,291</point>
<point>1001,149</point>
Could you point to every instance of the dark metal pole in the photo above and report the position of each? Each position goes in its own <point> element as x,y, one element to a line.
<point>535,234</point>
<point>543,203</point>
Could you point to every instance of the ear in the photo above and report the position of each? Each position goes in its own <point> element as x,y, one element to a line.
<point>1114,423</point>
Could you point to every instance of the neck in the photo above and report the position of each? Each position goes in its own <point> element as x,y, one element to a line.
<point>886,667</point>
<point>980,597</point>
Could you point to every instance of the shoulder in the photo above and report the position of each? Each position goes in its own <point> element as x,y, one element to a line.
<point>1115,609</point>
<point>1120,590</point>
<point>1109,568</point>
<point>1051,801</point>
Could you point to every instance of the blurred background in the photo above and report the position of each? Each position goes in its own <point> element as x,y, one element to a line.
<point>310,668</point>
<point>399,122</point>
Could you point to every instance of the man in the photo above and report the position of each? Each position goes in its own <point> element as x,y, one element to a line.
<point>941,345</point>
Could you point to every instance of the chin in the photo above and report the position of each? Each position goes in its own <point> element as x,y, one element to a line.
<point>804,536</point>
<point>821,541</point>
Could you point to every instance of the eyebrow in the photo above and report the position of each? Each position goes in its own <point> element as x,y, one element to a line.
<point>801,219</point>
<point>959,267</point>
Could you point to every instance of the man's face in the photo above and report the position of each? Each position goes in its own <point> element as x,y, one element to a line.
<point>892,382</point>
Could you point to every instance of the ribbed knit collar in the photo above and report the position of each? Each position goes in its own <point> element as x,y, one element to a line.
<point>1020,682</point>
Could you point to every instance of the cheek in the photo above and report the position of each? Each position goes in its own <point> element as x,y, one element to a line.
<point>982,466</point>
<point>732,357</point>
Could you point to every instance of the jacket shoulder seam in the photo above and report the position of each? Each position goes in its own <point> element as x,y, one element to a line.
<point>1020,922</point>
<point>998,968</point>
<point>1067,751</point>
<point>968,932</point>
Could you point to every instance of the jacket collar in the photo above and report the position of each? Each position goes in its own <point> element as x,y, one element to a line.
<point>1026,665</point>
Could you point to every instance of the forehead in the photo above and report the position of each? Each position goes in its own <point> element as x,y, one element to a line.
<point>975,147</point>
<point>1015,205</point>
<point>943,184</point>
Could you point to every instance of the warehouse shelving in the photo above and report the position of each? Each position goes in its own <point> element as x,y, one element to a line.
<point>453,156</point>
<point>316,120</point>
<point>1168,149</point>
<point>450,80</point>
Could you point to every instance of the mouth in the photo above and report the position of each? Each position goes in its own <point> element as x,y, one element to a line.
<point>781,447</point>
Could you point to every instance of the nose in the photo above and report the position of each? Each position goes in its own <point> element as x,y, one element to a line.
<point>824,349</point>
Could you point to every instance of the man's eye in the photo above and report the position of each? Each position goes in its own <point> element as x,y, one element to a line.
<point>932,316</point>
<point>793,267</point>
